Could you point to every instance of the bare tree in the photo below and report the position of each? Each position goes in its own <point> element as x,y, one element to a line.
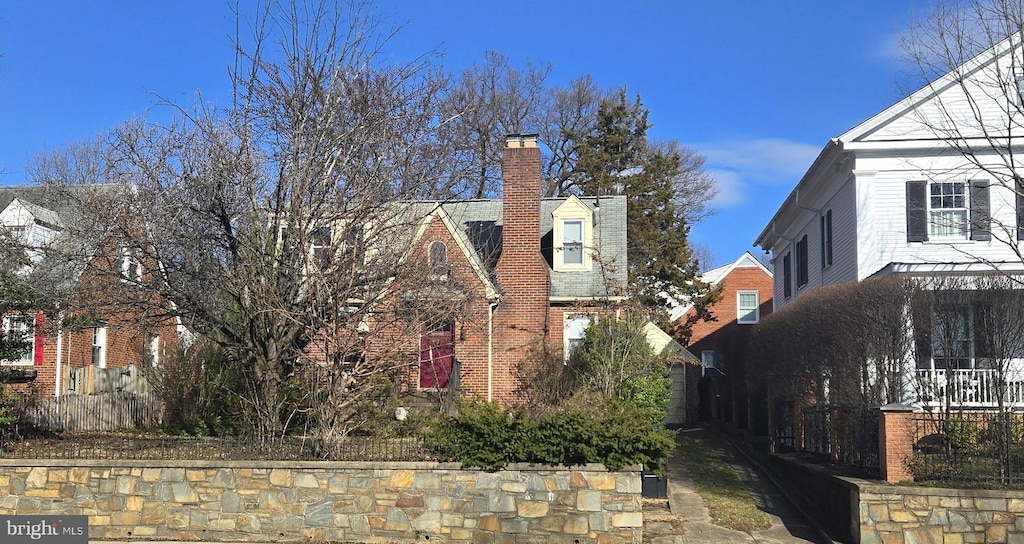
<point>278,226</point>
<point>969,55</point>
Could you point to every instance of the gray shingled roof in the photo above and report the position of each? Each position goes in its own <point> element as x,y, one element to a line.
<point>481,222</point>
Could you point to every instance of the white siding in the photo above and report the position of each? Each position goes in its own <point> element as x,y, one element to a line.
<point>882,238</point>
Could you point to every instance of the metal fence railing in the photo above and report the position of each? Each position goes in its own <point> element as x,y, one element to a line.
<point>848,435</point>
<point>968,447</point>
<point>122,425</point>
<point>234,448</point>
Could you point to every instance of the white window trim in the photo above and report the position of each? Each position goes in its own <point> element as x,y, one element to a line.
<point>740,314</point>
<point>129,257</point>
<point>933,235</point>
<point>572,210</point>
<point>99,341</point>
<point>153,349</point>
<point>28,359</point>
<point>716,359</point>
<point>568,319</point>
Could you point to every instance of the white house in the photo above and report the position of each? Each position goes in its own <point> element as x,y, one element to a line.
<point>924,188</point>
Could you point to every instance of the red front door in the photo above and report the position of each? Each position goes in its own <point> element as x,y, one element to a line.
<point>436,351</point>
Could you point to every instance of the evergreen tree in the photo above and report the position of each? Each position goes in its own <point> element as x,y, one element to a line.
<point>615,159</point>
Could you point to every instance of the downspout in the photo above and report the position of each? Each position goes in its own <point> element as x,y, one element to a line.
<point>60,352</point>
<point>490,350</point>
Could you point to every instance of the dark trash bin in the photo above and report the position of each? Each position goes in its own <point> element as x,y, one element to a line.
<point>653,486</point>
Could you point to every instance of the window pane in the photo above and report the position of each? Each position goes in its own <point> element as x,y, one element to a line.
<point>572,253</point>
<point>572,231</point>
<point>948,216</point>
<point>747,310</point>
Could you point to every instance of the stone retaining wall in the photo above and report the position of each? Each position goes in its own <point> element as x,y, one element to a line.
<point>278,501</point>
<point>926,514</point>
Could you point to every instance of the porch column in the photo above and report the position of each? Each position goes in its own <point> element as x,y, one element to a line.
<point>896,441</point>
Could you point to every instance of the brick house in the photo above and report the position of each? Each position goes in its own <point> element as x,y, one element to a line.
<point>73,353</point>
<point>718,390</point>
<point>532,271</point>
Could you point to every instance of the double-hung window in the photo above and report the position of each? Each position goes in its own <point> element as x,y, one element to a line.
<point>572,242</point>
<point>131,264</point>
<point>747,303</point>
<point>20,328</point>
<point>947,209</point>
<point>99,346</point>
<point>575,331</point>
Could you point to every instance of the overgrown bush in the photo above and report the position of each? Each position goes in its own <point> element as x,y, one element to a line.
<point>485,435</point>
<point>197,388</point>
<point>963,433</point>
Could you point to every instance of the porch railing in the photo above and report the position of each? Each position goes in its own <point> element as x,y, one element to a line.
<point>972,388</point>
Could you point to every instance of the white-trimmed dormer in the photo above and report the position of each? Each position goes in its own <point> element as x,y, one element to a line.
<point>32,226</point>
<point>573,236</point>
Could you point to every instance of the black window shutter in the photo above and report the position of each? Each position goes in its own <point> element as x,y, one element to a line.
<point>823,242</point>
<point>981,228</point>
<point>787,268</point>
<point>828,237</point>
<point>917,211</point>
<point>1019,189</point>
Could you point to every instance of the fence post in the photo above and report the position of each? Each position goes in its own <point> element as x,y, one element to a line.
<point>896,441</point>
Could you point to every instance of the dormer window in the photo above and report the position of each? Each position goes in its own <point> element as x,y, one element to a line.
<point>572,242</point>
<point>573,225</point>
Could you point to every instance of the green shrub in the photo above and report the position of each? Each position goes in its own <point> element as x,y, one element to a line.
<point>963,433</point>
<point>485,435</point>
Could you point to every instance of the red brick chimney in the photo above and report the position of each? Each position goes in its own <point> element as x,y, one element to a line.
<point>521,320</point>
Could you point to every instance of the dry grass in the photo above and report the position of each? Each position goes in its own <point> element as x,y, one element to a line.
<point>729,500</point>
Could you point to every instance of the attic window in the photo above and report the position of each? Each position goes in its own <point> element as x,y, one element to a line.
<point>437,257</point>
<point>573,235</point>
<point>131,264</point>
<point>572,242</point>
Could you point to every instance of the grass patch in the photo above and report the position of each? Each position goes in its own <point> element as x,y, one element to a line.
<point>729,500</point>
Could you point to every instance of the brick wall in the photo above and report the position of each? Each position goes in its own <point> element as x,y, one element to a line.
<point>521,320</point>
<point>729,338</point>
<point>357,502</point>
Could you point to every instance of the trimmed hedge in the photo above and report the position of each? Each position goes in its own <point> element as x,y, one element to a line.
<point>485,435</point>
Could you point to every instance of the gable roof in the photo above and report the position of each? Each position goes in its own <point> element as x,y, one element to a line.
<point>900,127</point>
<point>902,121</point>
<point>716,275</point>
<point>664,345</point>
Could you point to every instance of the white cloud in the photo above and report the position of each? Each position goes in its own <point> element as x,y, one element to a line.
<point>738,165</point>
<point>765,160</point>
<point>730,189</point>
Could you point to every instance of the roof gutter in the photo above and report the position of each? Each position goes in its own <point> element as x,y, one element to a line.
<point>770,231</point>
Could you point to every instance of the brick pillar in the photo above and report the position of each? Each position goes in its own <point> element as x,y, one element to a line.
<point>896,441</point>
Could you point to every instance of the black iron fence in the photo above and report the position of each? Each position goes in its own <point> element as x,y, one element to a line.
<point>968,447</point>
<point>235,448</point>
<point>847,435</point>
<point>122,425</point>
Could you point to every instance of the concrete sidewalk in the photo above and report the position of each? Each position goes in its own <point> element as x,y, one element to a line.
<point>687,520</point>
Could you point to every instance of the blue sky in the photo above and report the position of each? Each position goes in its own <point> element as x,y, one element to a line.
<point>758,87</point>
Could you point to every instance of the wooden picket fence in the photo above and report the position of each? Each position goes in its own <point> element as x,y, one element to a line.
<point>114,411</point>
